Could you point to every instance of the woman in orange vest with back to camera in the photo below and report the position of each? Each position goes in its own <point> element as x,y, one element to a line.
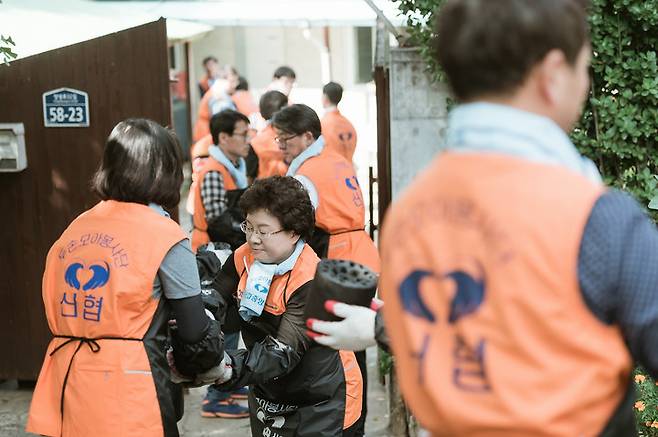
<point>110,285</point>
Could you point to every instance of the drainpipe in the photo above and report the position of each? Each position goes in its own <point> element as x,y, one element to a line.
<point>323,47</point>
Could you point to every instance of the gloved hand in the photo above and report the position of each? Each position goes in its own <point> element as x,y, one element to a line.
<point>216,375</point>
<point>355,332</point>
<point>175,376</point>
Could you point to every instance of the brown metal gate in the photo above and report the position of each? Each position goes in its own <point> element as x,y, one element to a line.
<point>125,75</point>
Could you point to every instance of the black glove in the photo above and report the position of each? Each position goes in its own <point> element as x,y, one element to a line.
<point>194,358</point>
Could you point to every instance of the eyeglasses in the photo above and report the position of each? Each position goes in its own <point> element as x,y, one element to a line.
<point>244,135</point>
<point>249,230</point>
<point>284,140</point>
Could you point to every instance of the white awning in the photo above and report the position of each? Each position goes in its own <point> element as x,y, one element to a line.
<point>268,12</point>
<point>37,26</point>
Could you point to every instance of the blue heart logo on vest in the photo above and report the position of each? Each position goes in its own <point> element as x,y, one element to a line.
<point>345,136</point>
<point>350,185</point>
<point>100,275</point>
<point>467,299</point>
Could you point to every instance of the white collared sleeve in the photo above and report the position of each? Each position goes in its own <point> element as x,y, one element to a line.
<point>312,191</point>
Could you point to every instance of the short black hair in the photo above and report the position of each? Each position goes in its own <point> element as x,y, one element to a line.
<point>224,121</point>
<point>333,91</point>
<point>284,71</point>
<point>142,163</point>
<point>489,47</point>
<point>286,199</point>
<point>271,102</point>
<point>298,119</point>
<point>243,85</point>
<point>208,59</point>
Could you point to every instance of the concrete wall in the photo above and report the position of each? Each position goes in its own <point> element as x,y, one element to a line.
<point>418,117</point>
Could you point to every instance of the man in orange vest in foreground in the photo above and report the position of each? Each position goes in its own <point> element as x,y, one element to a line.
<point>335,193</point>
<point>519,290</point>
<point>339,134</point>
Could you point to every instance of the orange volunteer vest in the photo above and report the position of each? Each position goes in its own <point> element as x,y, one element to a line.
<point>200,231</point>
<point>339,134</point>
<point>204,84</point>
<point>270,157</point>
<point>341,211</point>
<point>241,101</point>
<point>202,124</point>
<point>281,289</point>
<point>199,155</point>
<point>244,102</point>
<point>97,378</point>
<point>492,337</point>
<point>199,150</point>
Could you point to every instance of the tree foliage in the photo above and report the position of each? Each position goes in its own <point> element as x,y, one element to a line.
<point>6,52</point>
<point>619,126</point>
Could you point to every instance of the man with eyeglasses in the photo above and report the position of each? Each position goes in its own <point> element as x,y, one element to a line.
<point>334,190</point>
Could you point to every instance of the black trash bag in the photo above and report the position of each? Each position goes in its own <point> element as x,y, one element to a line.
<point>226,227</point>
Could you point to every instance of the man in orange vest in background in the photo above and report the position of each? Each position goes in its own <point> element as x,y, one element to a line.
<point>269,156</point>
<point>216,99</point>
<point>221,178</point>
<point>283,80</point>
<point>335,193</point>
<point>212,70</point>
<point>519,290</point>
<point>243,99</point>
<point>339,134</point>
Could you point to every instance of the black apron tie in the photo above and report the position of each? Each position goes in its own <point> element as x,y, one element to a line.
<point>348,231</point>
<point>93,345</point>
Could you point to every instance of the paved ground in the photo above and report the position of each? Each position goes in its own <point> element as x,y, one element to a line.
<point>15,401</point>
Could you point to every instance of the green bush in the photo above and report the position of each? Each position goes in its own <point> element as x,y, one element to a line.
<point>619,126</point>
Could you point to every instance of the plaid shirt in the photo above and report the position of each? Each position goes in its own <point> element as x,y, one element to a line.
<point>213,195</point>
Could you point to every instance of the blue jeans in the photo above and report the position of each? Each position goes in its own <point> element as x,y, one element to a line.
<point>214,394</point>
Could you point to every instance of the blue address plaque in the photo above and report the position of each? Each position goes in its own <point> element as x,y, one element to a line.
<point>65,107</point>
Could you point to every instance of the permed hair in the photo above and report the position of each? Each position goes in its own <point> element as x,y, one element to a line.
<point>286,199</point>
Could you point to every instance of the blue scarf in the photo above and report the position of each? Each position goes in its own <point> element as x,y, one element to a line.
<point>259,279</point>
<point>491,128</point>
<point>238,174</point>
<point>313,150</point>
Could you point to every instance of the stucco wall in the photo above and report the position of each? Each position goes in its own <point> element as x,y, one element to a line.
<point>418,117</point>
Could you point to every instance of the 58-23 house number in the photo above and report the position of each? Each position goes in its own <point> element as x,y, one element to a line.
<point>65,107</point>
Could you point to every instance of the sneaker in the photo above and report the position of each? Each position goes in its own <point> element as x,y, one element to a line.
<point>240,394</point>
<point>227,409</point>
